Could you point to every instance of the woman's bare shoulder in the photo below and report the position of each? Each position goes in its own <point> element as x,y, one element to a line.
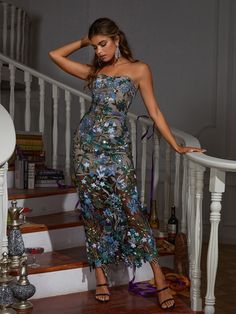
<point>140,69</point>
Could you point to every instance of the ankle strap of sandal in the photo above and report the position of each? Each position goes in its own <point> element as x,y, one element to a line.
<point>102,285</point>
<point>162,289</point>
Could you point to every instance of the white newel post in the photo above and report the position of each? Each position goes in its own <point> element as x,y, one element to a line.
<point>177,179</point>
<point>28,80</point>
<point>55,96</point>
<point>167,185</point>
<point>3,208</point>
<point>196,300</point>
<point>143,164</point>
<point>216,187</point>
<point>67,137</point>
<point>183,227</point>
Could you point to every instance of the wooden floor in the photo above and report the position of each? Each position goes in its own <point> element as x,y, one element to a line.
<point>122,302</point>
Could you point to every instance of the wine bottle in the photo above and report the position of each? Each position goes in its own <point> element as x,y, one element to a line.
<point>153,220</point>
<point>172,226</point>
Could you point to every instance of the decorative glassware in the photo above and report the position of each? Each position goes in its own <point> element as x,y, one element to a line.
<point>25,212</point>
<point>23,289</point>
<point>16,246</point>
<point>6,294</point>
<point>33,252</point>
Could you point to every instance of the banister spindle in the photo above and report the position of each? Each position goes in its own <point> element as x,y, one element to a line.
<point>28,80</point>
<point>55,96</point>
<point>143,164</point>
<point>12,90</point>
<point>67,136</point>
<point>4,35</point>
<point>196,300</point>
<point>82,106</point>
<point>12,33</point>
<point>41,103</point>
<point>177,179</point>
<point>0,80</point>
<point>156,159</point>
<point>23,51</point>
<point>133,131</point>
<point>183,227</point>
<point>19,32</point>
<point>167,185</point>
<point>217,188</point>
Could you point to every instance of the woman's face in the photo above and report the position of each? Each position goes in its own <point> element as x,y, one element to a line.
<point>104,47</point>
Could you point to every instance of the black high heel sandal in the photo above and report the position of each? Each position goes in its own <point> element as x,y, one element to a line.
<point>165,302</point>
<point>97,295</point>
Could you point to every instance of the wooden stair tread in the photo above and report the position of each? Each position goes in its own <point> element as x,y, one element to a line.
<point>71,258</point>
<point>121,302</point>
<point>59,260</point>
<point>14,194</point>
<point>60,220</point>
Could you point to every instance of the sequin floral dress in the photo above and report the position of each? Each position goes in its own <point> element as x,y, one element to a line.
<point>116,229</point>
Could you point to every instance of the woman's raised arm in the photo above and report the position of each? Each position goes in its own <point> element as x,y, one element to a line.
<point>60,57</point>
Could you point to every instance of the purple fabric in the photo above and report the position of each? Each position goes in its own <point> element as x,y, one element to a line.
<point>143,289</point>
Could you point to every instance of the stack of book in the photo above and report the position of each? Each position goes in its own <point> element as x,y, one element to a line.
<point>49,178</point>
<point>29,156</point>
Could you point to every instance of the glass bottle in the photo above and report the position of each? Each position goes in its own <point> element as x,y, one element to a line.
<point>172,226</point>
<point>153,220</point>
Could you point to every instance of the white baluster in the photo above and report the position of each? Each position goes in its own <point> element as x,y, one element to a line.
<point>176,183</point>
<point>167,185</point>
<point>12,90</point>
<point>183,227</point>
<point>191,216</point>
<point>143,164</point>
<point>216,187</point>
<point>3,208</point>
<point>12,36</point>
<point>23,59</point>
<point>82,107</point>
<point>68,137</point>
<point>55,96</point>
<point>4,35</point>
<point>19,29</point>
<point>156,158</point>
<point>28,80</point>
<point>41,101</point>
<point>196,300</point>
<point>133,131</point>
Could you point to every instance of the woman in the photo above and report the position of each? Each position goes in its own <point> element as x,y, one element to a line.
<point>114,223</point>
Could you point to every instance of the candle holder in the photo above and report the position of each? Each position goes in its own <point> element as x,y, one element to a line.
<point>6,293</point>
<point>16,246</point>
<point>23,289</point>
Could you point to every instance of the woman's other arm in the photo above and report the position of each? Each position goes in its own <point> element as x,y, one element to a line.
<point>146,89</point>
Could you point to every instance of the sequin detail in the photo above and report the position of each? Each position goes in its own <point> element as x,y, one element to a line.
<point>115,226</point>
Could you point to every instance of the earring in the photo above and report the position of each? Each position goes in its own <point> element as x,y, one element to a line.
<point>117,53</point>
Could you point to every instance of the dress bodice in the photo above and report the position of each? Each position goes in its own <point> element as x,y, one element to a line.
<point>104,126</point>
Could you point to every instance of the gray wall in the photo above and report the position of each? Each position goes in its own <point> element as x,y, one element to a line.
<point>190,46</point>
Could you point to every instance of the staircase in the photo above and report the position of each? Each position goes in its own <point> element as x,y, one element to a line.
<point>55,225</point>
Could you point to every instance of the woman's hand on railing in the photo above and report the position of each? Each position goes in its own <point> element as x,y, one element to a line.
<point>184,150</point>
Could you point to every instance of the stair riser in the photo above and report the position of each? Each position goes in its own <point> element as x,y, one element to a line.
<point>81,279</point>
<point>57,239</point>
<point>49,204</point>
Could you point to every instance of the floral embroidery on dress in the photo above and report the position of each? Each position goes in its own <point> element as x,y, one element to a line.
<point>115,225</point>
